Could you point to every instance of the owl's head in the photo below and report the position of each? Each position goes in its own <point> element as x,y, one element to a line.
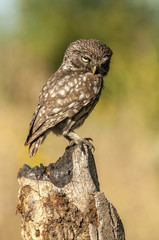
<point>88,55</point>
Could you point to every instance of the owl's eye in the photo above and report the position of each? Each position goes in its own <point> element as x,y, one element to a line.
<point>85,59</point>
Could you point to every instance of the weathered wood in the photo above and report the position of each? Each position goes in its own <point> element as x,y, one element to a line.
<point>62,201</point>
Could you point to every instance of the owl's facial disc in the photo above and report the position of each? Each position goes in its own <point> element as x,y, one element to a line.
<point>88,61</point>
<point>95,65</point>
<point>100,66</point>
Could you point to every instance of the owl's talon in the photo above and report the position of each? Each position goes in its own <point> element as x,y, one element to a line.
<point>85,141</point>
<point>72,143</point>
<point>88,143</point>
<point>89,139</point>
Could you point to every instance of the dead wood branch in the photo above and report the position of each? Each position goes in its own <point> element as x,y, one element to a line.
<point>63,201</point>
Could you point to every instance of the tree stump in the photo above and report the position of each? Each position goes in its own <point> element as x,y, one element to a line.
<point>63,201</point>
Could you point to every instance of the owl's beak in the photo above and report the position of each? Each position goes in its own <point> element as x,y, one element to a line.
<point>94,68</point>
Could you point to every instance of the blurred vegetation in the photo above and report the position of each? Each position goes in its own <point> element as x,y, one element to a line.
<point>34,36</point>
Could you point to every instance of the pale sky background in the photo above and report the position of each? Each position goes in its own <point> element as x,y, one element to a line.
<point>10,7</point>
<point>8,13</point>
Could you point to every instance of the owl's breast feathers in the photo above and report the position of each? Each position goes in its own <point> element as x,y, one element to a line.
<point>63,96</point>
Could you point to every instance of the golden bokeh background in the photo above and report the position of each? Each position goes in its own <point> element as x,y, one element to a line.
<point>124,124</point>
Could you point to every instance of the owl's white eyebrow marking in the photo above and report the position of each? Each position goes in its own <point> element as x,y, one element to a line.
<point>81,96</point>
<point>62,92</point>
<point>56,110</point>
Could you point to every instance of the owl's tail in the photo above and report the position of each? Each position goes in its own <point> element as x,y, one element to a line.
<point>34,146</point>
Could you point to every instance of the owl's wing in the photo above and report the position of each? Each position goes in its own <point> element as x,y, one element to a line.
<point>61,98</point>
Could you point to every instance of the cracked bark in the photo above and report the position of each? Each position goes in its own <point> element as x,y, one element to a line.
<point>63,201</point>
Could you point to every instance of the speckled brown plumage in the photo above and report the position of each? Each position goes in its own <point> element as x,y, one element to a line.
<point>71,93</point>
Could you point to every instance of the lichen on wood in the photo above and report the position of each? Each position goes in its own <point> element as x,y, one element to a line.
<point>63,201</point>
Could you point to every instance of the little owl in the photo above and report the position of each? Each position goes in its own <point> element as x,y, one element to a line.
<point>70,95</point>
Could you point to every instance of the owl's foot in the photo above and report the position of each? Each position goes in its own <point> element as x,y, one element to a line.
<point>75,139</point>
<point>86,141</point>
<point>89,139</point>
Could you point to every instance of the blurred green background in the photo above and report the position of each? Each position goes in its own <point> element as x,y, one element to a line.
<point>124,124</point>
